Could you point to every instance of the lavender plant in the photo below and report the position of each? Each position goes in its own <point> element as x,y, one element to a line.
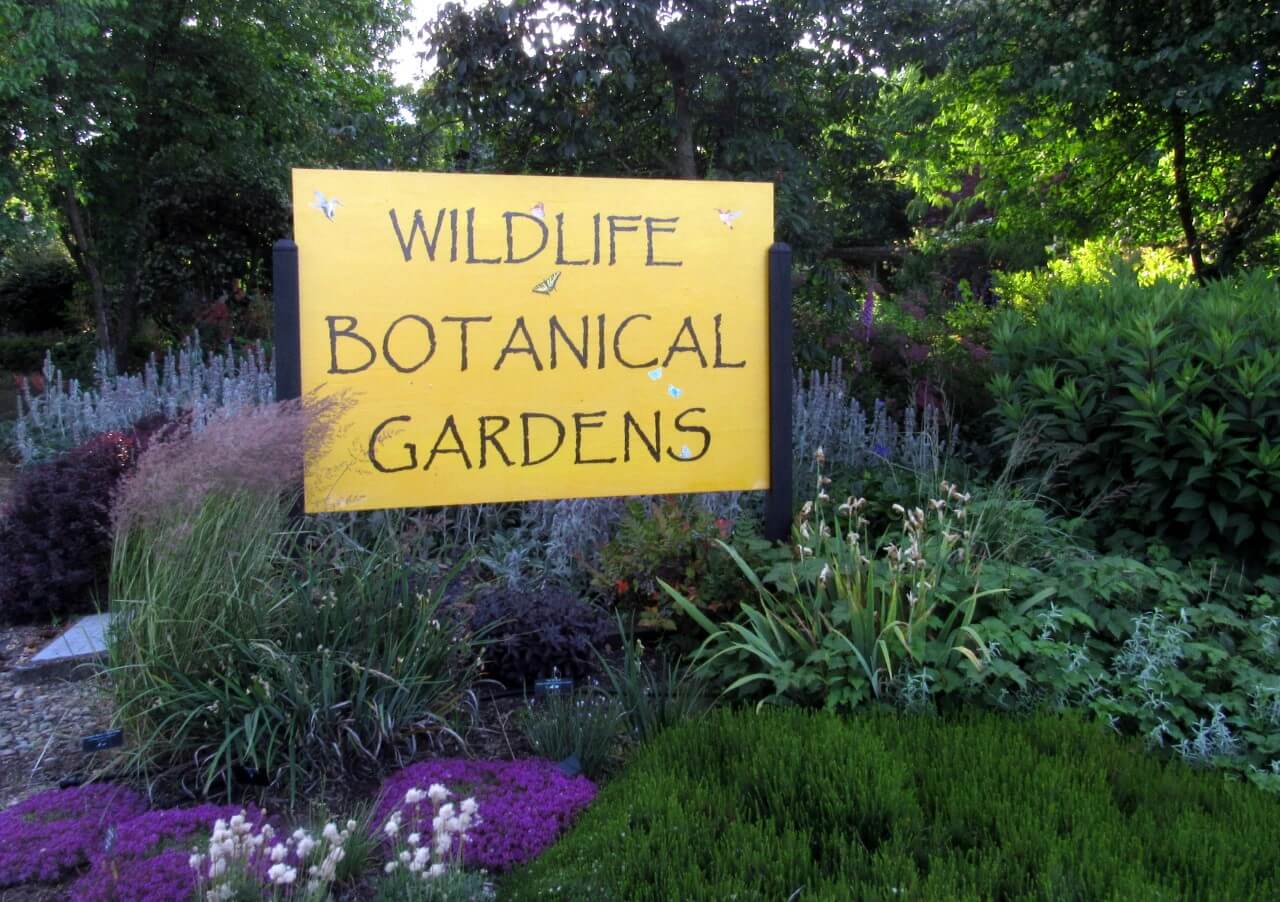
<point>825,415</point>
<point>202,385</point>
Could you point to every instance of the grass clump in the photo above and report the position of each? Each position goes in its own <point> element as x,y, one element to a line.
<point>244,637</point>
<point>788,804</point>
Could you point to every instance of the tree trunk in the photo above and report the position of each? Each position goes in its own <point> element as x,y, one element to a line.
<point>1243,218</point>
<point>686,161</point>
<point>1178,133</point>
<point>80,246</point>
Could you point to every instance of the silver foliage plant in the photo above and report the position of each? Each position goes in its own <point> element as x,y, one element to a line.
<point>207,385</point>
<point>825,415</point>
<point>560,541</point>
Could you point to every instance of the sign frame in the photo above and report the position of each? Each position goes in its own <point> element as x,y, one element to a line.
<point>287,359</point>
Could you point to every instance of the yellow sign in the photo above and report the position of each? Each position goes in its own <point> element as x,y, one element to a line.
<point>503,338</point>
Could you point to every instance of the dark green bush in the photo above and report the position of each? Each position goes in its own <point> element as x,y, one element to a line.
<point>812,806</point>
<point>23,354</point>
<point>35,291</point>
<point>1158,406</point>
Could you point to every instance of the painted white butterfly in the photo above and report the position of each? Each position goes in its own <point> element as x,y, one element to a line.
<point>538,211</point>
<point>674,392</point>
<point>728,216</point>
<point>327,206</point>
<point>547,285</point>
<point>685,452</point>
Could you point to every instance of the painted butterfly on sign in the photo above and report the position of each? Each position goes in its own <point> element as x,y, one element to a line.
<point>547,285</point>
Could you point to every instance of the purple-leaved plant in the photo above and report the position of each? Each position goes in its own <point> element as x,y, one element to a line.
<point>524,805</point>
<point>51,834</point>
<point>149,856</point>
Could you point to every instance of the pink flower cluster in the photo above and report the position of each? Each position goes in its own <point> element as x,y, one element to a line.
<point>51,834</point>
<point>526,804</point>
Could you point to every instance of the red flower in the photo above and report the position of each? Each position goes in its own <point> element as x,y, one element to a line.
<point>622,586</point>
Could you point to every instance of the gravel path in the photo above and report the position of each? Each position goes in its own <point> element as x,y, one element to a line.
<point>41,724</point>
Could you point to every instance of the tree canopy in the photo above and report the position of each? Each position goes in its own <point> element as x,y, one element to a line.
<point>154,138</point>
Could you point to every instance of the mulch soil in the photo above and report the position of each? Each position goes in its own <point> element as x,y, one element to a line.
<point>41,724</point>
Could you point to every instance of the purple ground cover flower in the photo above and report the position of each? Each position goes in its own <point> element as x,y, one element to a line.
<point>147,859</point>
<point>47,836</point>
<point>523,805</point>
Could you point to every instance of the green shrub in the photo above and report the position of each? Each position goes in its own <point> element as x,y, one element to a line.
<point>853,619</point>
<point>665,539</point>
<point>239,639</point>
<point>1157,408</point>
<point>23,353</point>
<point>584,725</point>
<point>1185,657</point>
<point>654,694</point>
<point>1094,262</point>
<point>35,290</point>
<point>788,804</point>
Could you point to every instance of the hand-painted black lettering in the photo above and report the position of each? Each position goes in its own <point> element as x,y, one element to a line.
<point>416,228</point>
<point>614,229</point>
<point>525,421</point>
<point>629,422</point>
<point>431,343</point>
<point>510,216</point>
<point>471,240</point>
<point>347,331</point>
<point>617,343</point>
<point>681,427</point>
<point>512,348</point>
<point>694,347</point>
<point>583,421</point>
<point>463,322</point>
<point>560,257</point>
<point>649,228</point>
<point>451,429</point>
<point>578,351</point>
<point>376,439</point>
<point>487,437</point>
<point>720,364</point>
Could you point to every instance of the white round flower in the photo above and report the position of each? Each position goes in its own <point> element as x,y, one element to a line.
<point>414,796</point>
<point>305,845</point>
<point>413,839</point>
<point>331,833</point>
<point>279,851</point>
<point>437,793</point>
<point>436,870</point>
<point>281,874</point>
<point>389,867</point>
<point>469,806</point>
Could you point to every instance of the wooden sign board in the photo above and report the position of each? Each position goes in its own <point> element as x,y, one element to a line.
<point>505,338</point>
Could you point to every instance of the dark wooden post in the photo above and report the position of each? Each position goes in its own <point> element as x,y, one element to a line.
<point>777,505</point>
<point>286,347</point>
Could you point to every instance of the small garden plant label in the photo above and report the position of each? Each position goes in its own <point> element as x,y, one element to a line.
<point>507,338</point>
